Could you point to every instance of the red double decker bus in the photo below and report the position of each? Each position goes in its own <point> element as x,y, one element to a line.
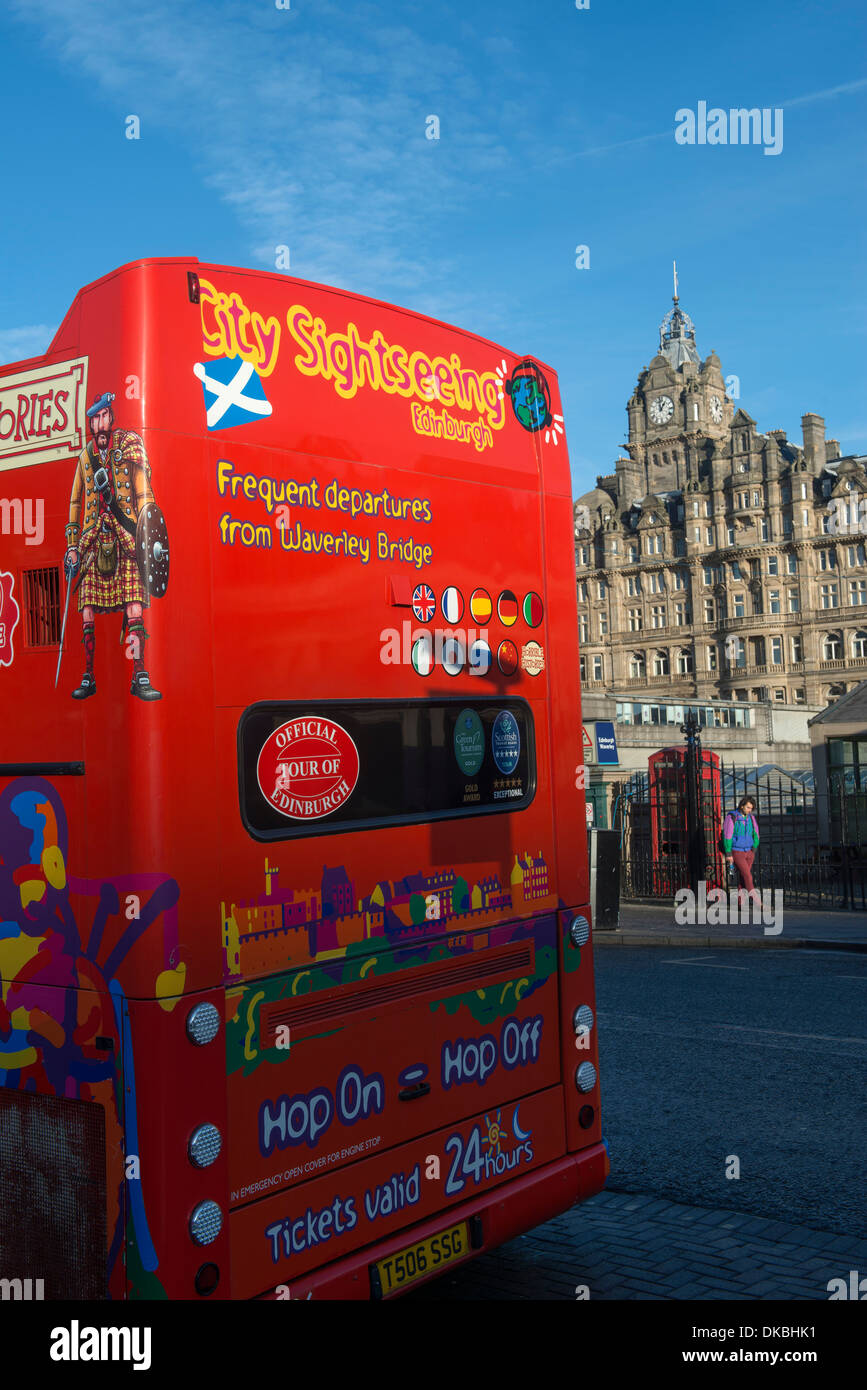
<point>297,987</point>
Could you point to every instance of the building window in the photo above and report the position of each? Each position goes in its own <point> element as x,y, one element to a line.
<point>757,499</point>
<point>600,589</point>
<point>794,601</point>
<point>654,545</point>
<point>582,668</point>
<point>739,606</point>
<point>858,592</point>
<point>583,628</point>
<point>633,585</point>
<point>736,570</point>
<point>805,516</point>
<point>636,665</point>
<point>681,615</point>
<point>679,579</point>
<point>657,583</point>
<point>803,492</point>
<point>597,668</point>
<point>660,663</point>
<point>855,557</point>
<point>584,554</point>
<point>679,546</point>
<point>582,591</point>
<point>707,574</point>
<point>797,649</point>
<point>709,610</point>
<point>791,564</point>
<point>800,696</point>
<point>708,507</point>
<point>708,535</point>
<point>614,547</point>
<point>736,650</point>
<point>758,606</point>
<point>711,658</point>
<point>633,554</point>
<point>731,535</point>
<point>636,622</point>
<point>787,528</point>
<point>785,493</point>
<point>766,534</point>
<point>827,559</point>
<point>603,624</point>
<point>829,596</point>
<point>773,564</point>
<point>832,647</point>
<point>657,616</point>
<point>684,662</point>
<point>774,605</point>
<point>859,645</point>
<point>780,696</point>
<point>776,651</point>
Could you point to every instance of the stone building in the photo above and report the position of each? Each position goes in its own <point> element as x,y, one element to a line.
<point>717,562</point>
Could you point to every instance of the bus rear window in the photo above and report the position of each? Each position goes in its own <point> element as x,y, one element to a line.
<point>329,766</point>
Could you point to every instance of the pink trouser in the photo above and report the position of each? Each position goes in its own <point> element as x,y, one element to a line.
<point>744,864</point>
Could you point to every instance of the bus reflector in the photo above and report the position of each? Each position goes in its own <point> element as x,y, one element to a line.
<point>203,1024</point>
<point>582,1019</point>
<point>585,1076</point>
<point>205,1145</point>
<point>206,1223</point>
<point>579,931</point>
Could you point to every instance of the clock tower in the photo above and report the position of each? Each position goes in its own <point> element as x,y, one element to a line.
<point>678,409</point>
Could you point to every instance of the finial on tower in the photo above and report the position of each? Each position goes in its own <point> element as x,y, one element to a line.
<point>674,263</point>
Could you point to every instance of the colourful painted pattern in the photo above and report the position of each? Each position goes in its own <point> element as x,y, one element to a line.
<point>48,1036</point>
<point>285,926</point>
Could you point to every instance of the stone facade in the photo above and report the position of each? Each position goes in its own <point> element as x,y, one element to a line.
<point>717,562</point>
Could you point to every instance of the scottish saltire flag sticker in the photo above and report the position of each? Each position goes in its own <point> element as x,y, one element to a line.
<point>452,604</point>
<point>424,603</point>
<point>234,394</point>
<point>422,656</point>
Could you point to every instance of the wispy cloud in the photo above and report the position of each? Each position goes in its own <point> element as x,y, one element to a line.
<point>843,89</point>
<point>313,133</point>
<point>28,341</point>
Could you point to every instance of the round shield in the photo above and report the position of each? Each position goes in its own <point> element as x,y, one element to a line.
<point>152,549</point>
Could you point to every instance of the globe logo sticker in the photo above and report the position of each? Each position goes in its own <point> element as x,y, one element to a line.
<point>307,768</point>
<point>530,394</point>
<point>469,742</point>
<point>506,742</point>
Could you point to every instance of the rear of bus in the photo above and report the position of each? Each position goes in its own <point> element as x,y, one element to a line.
<point>353,1042</point>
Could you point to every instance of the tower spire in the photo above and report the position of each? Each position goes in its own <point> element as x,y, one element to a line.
<point>674,263</point>
<point>676,332</point>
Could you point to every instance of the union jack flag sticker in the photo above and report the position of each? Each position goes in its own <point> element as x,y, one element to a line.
<point>424,603</point>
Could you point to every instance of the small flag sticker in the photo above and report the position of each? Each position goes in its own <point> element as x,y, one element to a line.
<point>480,605</point>
<point>480,658</point>
<point>422,656</point>
<point>453,605</point>
<point>507,658</point>
<point>534,612</point>
<point>454,656</point>
<point>507,608</point>
<point>424,603</point>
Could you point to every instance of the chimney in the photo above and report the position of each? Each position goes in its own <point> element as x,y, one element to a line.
<point>814,439</point>
<point>832,449</point>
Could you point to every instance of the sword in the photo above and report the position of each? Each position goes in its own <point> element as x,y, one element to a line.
<point>69,571</point>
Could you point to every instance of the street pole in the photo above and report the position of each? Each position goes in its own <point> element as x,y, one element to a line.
<point>695,842</point>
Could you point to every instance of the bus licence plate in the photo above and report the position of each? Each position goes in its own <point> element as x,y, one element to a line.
<point>424,1258</point>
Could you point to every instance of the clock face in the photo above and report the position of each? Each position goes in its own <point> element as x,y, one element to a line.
<point>716,409</point>
<point>661,410</point>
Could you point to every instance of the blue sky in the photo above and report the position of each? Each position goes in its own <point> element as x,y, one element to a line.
<point>306,127</point>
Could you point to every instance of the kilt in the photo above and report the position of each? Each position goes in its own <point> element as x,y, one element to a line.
<point>107,593</point>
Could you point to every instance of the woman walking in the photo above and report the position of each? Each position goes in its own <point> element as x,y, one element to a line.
<point>740,838</point>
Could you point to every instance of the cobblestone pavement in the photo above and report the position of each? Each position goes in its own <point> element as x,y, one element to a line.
<point>624,1246</point>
